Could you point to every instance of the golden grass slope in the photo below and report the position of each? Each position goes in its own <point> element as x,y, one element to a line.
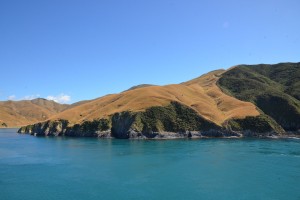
<point>202,94</point>
<point>221,106</point>
<point>20,113</point>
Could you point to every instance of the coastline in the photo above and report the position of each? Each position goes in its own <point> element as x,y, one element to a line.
<point>211,134</point>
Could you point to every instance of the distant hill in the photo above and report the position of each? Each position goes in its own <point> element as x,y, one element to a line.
<point>20,113</point>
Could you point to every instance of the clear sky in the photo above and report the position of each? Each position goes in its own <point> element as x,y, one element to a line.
<point>71,50</point>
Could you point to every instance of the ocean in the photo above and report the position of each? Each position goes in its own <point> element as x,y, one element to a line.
<point>53,168</point>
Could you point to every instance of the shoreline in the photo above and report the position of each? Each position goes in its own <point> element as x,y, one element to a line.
<point>173,136</point>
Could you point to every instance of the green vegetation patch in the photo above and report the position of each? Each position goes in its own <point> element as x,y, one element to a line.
<point>174,118</point>
<point>88,128</point>
<point>274,89</point>
<point>258,124</point>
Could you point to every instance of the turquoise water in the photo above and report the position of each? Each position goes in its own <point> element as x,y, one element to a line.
<point>89,168</point>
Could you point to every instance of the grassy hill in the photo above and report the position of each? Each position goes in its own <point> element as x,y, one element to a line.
<point>152,111</point>
<point>201,94</point>
<point>274,89</point>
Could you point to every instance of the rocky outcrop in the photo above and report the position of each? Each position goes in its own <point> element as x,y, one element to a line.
<point>96,128</point>
<point>48,128</point>
<point>123,125</point>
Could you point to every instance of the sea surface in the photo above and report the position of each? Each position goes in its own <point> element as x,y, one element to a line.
<point>53,168</point>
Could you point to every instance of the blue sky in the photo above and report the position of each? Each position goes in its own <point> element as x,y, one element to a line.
<point>71,50</point>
